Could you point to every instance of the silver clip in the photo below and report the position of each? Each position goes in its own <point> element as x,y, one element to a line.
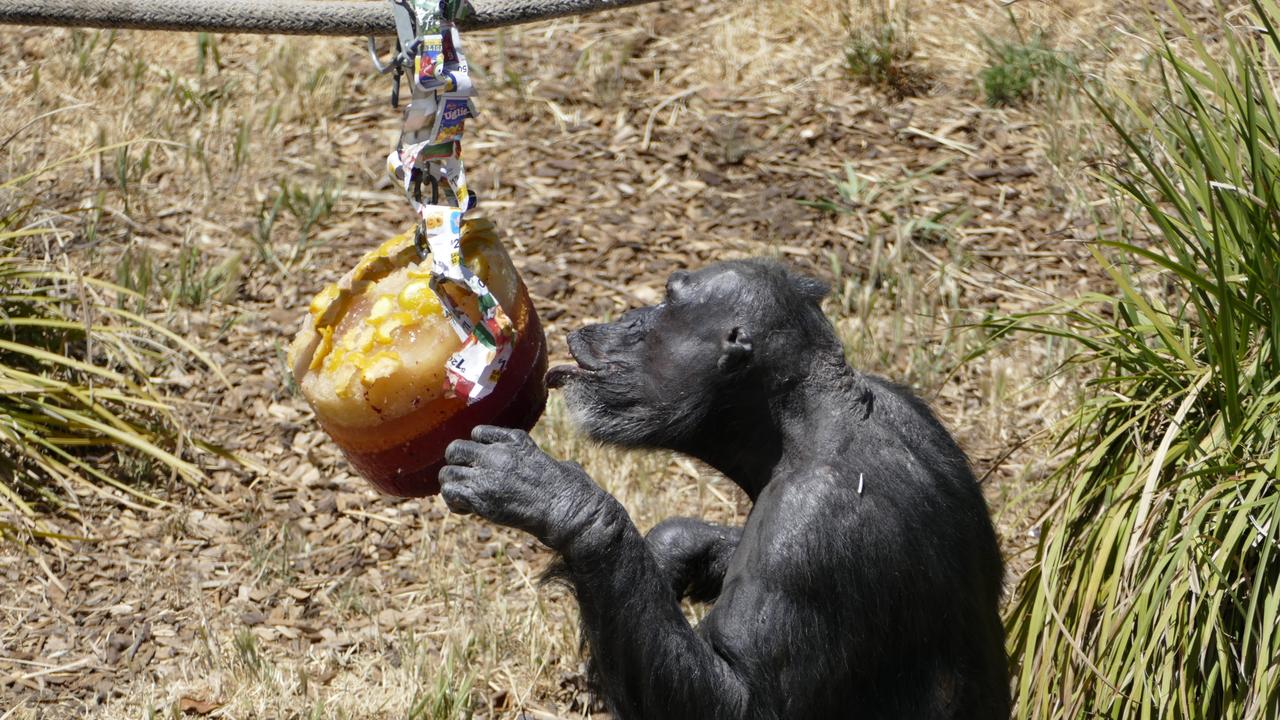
<point>382,69</point>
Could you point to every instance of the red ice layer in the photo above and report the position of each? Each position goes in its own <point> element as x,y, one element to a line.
<point>404,456</point>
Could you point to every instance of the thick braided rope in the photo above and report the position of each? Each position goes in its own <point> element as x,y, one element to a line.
<point>285,17</point>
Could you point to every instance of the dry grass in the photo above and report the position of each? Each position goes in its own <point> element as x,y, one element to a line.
<point>613,149</point>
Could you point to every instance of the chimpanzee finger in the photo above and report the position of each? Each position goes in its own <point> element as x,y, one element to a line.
<point>460,500</point>
<point>495,434</point>
<point>457,492</point>
<point>465,452</point>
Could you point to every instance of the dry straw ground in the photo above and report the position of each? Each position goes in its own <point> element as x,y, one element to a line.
<point>611,150</point>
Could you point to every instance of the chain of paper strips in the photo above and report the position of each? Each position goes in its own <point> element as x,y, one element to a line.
<point>429,152</point>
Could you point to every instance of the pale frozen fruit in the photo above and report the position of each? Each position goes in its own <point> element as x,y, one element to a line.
<point>380,355</point>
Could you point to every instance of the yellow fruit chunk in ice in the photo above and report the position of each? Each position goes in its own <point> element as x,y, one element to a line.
<point>377,349</point>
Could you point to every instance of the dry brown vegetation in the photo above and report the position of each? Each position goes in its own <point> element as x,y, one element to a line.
<point>611,149</point>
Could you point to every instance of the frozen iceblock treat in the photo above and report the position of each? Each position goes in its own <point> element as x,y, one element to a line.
<point>370,359</point>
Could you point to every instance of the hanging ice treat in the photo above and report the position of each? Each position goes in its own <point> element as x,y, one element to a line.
<point>372,359</point>
<point>433,332</point>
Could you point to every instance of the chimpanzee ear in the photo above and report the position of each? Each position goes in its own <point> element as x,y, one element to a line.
<point>735,351</point>
<point>810,288</point>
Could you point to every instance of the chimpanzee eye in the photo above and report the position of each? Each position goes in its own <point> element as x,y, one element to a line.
<point>635,320</point>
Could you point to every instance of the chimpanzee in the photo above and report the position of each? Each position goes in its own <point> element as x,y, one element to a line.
<point>866,580</point>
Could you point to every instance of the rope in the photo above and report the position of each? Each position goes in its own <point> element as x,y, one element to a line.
<point>285,17</point>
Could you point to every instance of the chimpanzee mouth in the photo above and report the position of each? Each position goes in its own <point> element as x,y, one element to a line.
<point>587,367</point>
<point>560,375</point>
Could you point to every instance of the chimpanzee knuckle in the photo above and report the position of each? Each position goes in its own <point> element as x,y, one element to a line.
<point>525,446</point>
<point>672,538</point>
<point>500,499</point>
<point>507,462</point>
<point>527,459</point>
<point>504,436</point>
<point>505,500</point>
<point>531,456</point>
<point>462,452</point>
<point>454,474</point>
<point>458,497</point>
<point>665,533</point>
<point>489,458</point>
<point>585,335</point>
<point>488,434</point>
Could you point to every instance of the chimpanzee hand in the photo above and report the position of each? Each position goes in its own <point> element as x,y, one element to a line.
<point>501,475</point>
<point>693,555</point>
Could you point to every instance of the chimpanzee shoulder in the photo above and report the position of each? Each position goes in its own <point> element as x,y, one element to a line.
<point>897,408</point>
<point>948,507</point>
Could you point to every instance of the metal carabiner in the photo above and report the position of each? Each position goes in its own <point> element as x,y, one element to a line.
<point>406,39</point>
<point>415,181</point>
<point>406,33</point>
<point>406,22</point>
<point>382,69</point>
<point>396,66</point>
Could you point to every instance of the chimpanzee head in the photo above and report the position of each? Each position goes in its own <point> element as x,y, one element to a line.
<point>725,335</point>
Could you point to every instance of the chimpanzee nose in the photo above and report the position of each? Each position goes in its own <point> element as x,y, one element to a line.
<point>584,346</point>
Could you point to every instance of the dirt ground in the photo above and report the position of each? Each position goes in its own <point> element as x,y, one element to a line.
<point>611,150</point>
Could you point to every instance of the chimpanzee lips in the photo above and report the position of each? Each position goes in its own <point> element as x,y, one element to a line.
<point>558,376</point>
<point>587,366</point>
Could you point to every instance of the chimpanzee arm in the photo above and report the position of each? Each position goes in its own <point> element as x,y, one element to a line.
<point>651,661</point>
<point>763,652</point>
<point>693,555</point>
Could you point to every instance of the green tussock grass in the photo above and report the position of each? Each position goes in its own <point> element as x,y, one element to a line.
<point>1021,68</point>
<point>880,51</point>
<point>1156,591</point>
<point>79,412</point>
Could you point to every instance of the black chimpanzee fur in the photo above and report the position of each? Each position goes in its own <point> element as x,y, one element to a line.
<point>865,583</point>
